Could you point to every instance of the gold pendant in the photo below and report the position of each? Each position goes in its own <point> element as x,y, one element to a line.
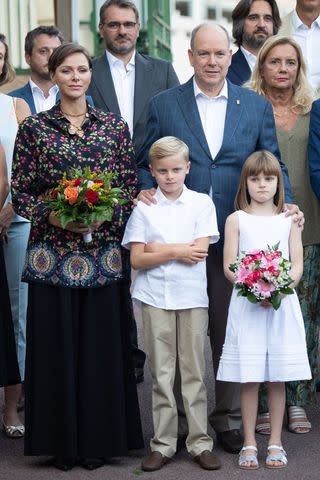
<point>73,130</point>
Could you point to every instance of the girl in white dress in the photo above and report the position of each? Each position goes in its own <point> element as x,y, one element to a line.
<point>263,344</point>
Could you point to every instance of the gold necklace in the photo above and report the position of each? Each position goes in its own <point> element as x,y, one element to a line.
<point>74,115</point>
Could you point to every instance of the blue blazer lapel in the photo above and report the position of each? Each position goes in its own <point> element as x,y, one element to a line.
<point>189,108</point>
<point>142,88</point>
<point>233,114</point>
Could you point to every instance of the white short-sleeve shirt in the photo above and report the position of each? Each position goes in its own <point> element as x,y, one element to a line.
<point>173,285</point>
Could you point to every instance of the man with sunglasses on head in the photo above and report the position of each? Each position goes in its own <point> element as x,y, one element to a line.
<point>123,81</point>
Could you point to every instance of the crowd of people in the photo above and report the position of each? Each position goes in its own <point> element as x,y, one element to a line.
<point>228,162</point>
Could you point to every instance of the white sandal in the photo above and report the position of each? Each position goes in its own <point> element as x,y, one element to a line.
<point>276,457</point>
<point>248,458</point>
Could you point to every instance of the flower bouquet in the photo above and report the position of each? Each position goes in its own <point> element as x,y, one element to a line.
<point>84,196</point>
<point>262,276</point>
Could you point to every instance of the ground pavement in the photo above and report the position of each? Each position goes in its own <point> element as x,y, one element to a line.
<point>303,453</point>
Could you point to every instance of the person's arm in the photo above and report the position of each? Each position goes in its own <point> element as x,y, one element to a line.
<point>314,148</point>
<point>4,184</point>
<point>296,254</point>
<point>144,256</point>
<point>22,110</point>
<point>231,245</point>
<point>268,141</point>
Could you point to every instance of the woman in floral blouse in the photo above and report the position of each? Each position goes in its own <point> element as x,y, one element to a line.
<point>81,399</point>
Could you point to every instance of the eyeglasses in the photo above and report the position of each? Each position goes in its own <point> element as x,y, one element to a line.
<point>117,25</point>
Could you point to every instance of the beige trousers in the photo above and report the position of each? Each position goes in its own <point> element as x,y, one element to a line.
<point>169,334</point>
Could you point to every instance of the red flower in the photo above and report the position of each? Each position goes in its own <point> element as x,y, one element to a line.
<point>97,181</point>
<point>247,260</point>
<point>77,182</point>
<point>256,275</point>
<point>91,196</point>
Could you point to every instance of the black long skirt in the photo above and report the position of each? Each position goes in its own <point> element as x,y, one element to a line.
<point>81,396</point>
<point>9,369</point>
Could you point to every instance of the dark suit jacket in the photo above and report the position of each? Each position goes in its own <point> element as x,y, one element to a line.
<point>314,148</point>
<point>249,126</point>
<point>239,71</point>
<point>152,76</point>
<point>25,92</point>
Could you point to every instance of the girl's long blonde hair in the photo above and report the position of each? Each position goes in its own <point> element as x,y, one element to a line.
<point>259,162</point>
<point>303,95</point>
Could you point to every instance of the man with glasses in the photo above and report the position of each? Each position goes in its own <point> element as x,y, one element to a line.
<point>123,82</point>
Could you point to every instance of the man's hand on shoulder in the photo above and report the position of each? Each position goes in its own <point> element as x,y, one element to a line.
<point>146,196</point>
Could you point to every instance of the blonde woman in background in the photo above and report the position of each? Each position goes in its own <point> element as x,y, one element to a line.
<point>280,76</point>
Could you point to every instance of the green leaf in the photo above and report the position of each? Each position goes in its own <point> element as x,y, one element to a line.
<point>252,298</point>
<point>276,301</point>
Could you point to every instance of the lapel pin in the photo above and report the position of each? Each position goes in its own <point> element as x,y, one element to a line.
<point>238,102</point>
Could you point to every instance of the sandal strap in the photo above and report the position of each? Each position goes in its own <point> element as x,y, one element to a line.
<point>276,447</point>
<point>263,416</point>
<point>249,447</point>
<point>277,457</point>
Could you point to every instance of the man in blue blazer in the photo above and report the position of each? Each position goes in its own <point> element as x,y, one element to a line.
<point>39,93</point>
<point>222,124</point>
<point>253,21</point>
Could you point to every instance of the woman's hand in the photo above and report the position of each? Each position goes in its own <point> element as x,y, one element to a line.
<point>292,209</point>
<point>75,227</point>
<point>6,217</point>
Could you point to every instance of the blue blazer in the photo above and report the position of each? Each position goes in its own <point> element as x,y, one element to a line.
<point>25,93</point>
<point>249,126</point>
<point>239,71</point>
<point>314,148</point>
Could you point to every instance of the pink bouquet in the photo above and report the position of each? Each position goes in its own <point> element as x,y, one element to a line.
<point>262,276</point>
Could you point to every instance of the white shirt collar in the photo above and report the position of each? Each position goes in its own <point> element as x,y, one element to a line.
<point>250,57</point>
<point>162,199</point>
<point>114,60</point>
<point>298,23</point>
<point>34,88</point>
<point>198,92</point>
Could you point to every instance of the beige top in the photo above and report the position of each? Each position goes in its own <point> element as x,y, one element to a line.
<point>294,147</point>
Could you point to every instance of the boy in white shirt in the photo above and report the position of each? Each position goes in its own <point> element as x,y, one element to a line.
<point>168,244</point>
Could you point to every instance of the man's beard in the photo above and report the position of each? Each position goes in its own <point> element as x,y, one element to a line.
<point>254,42</point>
<point>122,50</point>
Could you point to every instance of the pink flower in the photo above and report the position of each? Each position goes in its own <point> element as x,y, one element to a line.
<point>264,288</point>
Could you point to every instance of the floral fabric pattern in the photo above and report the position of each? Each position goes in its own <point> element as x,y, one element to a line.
<point>44,151</point>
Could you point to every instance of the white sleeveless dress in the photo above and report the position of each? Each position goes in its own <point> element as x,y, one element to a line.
<point>263,344</point>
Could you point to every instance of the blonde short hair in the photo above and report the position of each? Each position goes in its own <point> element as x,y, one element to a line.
<point>167,147</point>
<point>259,162</point>
<point>302,92</point>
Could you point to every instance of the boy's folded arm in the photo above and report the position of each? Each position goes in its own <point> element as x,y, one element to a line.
<point>154,254</point>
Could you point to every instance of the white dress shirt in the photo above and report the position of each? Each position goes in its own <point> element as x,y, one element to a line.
<point>212,112</point>
<point>173,285</point>
<point>309,41</point>
<point>251,59</point>
<point>40,101</point>
<point>123,77</point>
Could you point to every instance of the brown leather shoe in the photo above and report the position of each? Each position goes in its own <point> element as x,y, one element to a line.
<point>208,460</point>
<point>154,462</point>
<point>231,440</point>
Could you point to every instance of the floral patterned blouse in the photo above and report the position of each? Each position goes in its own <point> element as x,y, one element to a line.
<point>44,151</point>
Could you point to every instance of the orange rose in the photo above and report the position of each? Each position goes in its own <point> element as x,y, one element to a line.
<point>71,194</point>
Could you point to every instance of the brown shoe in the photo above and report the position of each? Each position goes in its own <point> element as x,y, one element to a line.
<point>208,460</point>
<point>154,462</point>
